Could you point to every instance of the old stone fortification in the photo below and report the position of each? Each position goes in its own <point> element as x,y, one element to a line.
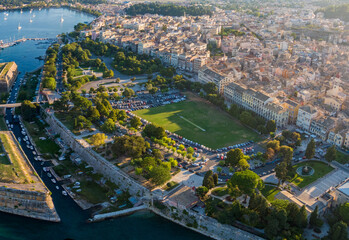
<point>27,199</point>
<point>8,74</point>
<point>32,204</point>
<point>99,164</point>
<point>192,220</point>
<point>203,224</point>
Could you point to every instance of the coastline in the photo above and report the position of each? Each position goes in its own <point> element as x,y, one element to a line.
<point>76,8</point>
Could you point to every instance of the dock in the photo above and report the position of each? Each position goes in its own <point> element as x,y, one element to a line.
<point>101,217</point>
<point>15,42</point>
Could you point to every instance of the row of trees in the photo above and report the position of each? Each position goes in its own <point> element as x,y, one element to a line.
<point>168,9</point>
<point>50,69</point>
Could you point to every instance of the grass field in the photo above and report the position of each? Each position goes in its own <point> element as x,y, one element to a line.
<point>342,158</point>
<point>13,170</point>
<point>269,192</point>
<point>199,121</point>
<point>321,169</point>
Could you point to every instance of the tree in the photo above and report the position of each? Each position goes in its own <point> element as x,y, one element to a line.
<point>98,139</point>
<point>157,154</point>
<point>234,156</point>
<point>259,203</point>
<point>338,231</point>
<point>93,114</point>
<point>201,191</point>
<point>128,92</point>
<point>344,212</point>
<point>159,175</point>
<point>49,83</point>
<point>243,164</point>
<point>310,151</point>
<point>274,144</point>
<point>215,178</point>
<point>208,180</point>
<point>331,154</point>
<point>276,223</point>
<point>314,220</point>
<point>281,172</point>
<point>286,153</point>
<point>135,122</point>
<point>152,130</point>
<point>246,181</point>
<point>219,169</point>
<point>81,123</point>
<point>271,126</point>
<point>190,150</point>
<point>108,126</point>
<point>269,154</point>
<point>28,110</point>
<point>210,88</point>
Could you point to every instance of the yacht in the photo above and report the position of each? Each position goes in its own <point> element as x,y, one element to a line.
<point>21,11</point>
<point>34,15</point>
<point>31,10</point>
<point>5,18</point>
<point>5,13</point>
<point>62,19</point>
<point>30,20</point>
<point>19,27</point>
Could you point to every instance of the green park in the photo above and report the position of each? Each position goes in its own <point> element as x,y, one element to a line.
<point>199,121</point>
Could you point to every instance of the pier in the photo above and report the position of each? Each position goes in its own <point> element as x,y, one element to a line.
<point>101,217</point>
<point>15,42</point>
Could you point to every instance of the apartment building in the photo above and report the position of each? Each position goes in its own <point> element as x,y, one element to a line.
<point>258,102</point>
<point>207,75</point>
<point>305,115</point>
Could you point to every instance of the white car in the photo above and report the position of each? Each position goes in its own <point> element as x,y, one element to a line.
<point>53,180</point>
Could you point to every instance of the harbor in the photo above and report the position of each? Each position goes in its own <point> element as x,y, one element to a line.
<point>5,44</point>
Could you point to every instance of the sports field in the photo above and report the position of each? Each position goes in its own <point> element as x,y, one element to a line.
<point>199,121</point>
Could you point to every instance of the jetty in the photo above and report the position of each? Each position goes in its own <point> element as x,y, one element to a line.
<point>101,217</point>
<point>15,42</point>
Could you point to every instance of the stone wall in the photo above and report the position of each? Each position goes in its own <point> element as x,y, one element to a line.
<point>203,224</point>
<point>32,204</point>
<point>99,164</point>
<point>8,76</point>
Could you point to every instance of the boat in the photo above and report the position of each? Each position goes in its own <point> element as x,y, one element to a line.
<point>30,20</point>
<point>40,9</point>
<point>34,15</point>
<point>5,18</point>
<point>21,11</point>
<point>5,13</point>
<point>19,27</point>
<point>31,10</point>
<point>62,19</point>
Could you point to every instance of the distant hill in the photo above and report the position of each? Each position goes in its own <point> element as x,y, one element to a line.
<point>336,11</point>
<point>167,9</point>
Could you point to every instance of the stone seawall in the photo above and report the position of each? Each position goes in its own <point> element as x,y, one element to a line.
<point>31,204</point>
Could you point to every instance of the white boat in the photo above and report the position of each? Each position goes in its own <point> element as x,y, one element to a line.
<point>40,9</point>
<point>21,11</point>
<point>5,13</point>
<point>30,20</point>
<point>5,18</point>
<point>19,27</point>
<point>62,19</point>
<point>31,10</point>
<point>34,15</point>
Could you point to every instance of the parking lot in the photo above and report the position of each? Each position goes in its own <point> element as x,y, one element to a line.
<point>145,100</point>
